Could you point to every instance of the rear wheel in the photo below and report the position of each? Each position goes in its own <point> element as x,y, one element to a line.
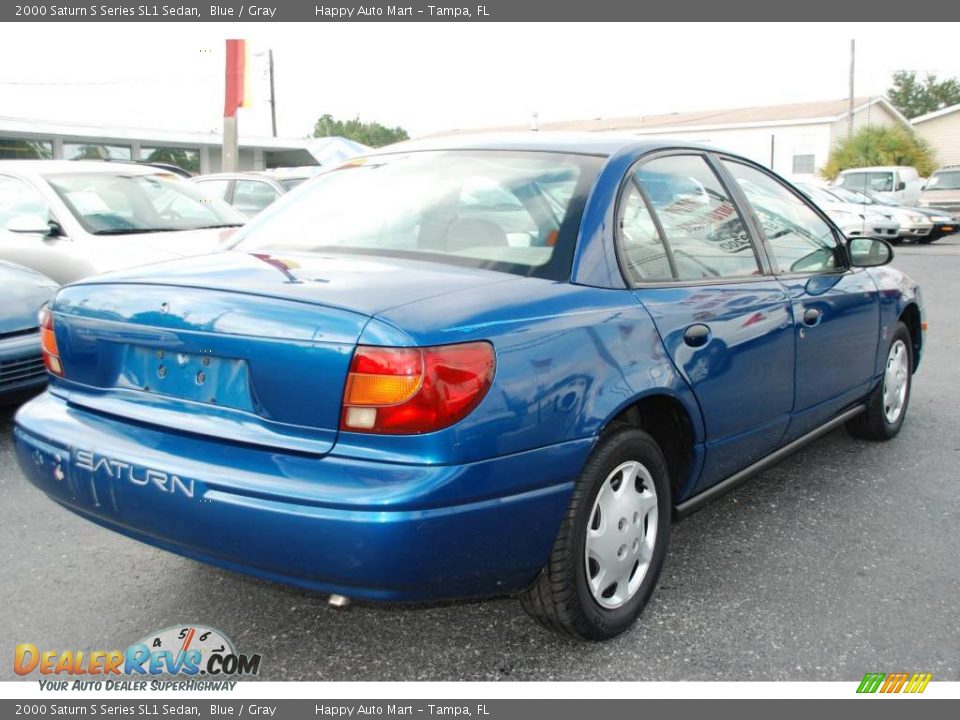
<point>611,545</point>
<point>887,406</point>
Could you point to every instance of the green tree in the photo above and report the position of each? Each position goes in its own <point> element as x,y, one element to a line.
<point>880,146</point>
<point>914,97</point>
<point>369,133</point>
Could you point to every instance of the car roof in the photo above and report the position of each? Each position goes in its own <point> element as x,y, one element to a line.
<point>587,143</point>
<point>43,167</point>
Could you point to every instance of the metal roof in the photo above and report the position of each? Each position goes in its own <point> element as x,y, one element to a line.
<point>758,116</point>
<point>42,167</point>
<point>935,114</point>
<point>42,129</point>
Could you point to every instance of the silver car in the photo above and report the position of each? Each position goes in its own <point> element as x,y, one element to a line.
<point>72,219</point>
<point>251,193</point>
<point>854,220</point>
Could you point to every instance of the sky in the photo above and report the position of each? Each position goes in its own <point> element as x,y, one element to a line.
<point>432,77</point>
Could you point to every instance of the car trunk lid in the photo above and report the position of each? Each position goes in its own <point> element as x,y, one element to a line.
<point>251,349</point>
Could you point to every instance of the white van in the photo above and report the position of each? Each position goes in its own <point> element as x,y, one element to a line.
<point>899,183</point>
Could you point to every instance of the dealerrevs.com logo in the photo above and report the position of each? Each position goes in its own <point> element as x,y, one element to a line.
<point>186,651</point>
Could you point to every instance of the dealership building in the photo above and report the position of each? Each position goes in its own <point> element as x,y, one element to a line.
<point>941,130</point>
<point>197,152</point>
<point>793,140</point>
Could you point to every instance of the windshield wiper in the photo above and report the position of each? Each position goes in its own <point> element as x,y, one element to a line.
<point>137,231</point>
<point>130,231</point>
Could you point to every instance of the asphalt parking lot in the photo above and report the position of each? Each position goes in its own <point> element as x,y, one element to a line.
<point>843,559</point>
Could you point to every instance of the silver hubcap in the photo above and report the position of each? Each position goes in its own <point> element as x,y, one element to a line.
<point>621,534</point>
<point>895,381</point>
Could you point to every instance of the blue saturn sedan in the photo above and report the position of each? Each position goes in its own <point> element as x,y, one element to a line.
<point>473,366</point>
<point>22,294</point>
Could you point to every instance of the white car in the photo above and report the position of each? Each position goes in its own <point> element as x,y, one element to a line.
<point>900,183</point>
<point>915,224</point>
<point>72,219</point>
<point>855,220</point>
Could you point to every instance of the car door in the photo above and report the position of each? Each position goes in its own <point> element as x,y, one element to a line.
<point>724,321</point>
<point>22,206</point>
<point>836,309</point>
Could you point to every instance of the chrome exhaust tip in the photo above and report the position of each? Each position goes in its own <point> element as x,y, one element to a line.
<point>339,601</point>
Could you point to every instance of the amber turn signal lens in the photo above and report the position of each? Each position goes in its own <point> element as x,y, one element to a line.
<point>48,343</point>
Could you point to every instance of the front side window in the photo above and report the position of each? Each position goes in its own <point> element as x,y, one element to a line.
<point>214,188</point>
<point>121,204</point>
<point>18,200</point>
<point>252,196</point>
<point>704,231</point>
<point>800,240</point>
<point>517,212</point>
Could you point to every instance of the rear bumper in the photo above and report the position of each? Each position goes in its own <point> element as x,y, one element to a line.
<point>21,365</point>
<point>374,530</point>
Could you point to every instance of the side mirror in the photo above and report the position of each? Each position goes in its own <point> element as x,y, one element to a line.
<point>901,186</point>
<point>32,224</point>
<point>869,252</point>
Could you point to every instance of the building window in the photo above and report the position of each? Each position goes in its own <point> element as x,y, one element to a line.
<point>20,149</point>
<point>803,164</point>
<point>186,158</point>
<point>96,151</point>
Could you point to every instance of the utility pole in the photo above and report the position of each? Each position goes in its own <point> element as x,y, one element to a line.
<point>853,51</point>
<point>273,97</point>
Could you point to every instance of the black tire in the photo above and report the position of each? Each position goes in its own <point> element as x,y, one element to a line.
<point>561,599</point>
<point>872,424</point>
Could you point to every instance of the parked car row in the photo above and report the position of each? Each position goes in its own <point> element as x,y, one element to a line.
<point>901,187</point>
<point>253,192</point>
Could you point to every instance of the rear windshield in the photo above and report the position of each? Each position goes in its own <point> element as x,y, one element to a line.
<point>944,181</point>
<point>881,181</point>
<point>516,212</point>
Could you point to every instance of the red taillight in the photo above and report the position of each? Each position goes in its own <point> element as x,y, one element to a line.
<point>405,391</point>
<point>48,343</point>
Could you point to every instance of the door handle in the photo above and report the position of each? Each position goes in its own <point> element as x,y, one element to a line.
<point>811,317</point>
<point>696,335</point>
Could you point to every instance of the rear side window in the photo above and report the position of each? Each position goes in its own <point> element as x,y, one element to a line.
<point>645,256</point>
<point>702,229</point>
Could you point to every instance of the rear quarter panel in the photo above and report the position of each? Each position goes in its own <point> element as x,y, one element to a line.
<point>569,358</point>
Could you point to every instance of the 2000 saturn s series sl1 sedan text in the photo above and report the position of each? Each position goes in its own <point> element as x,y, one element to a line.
<point>472,367</point>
